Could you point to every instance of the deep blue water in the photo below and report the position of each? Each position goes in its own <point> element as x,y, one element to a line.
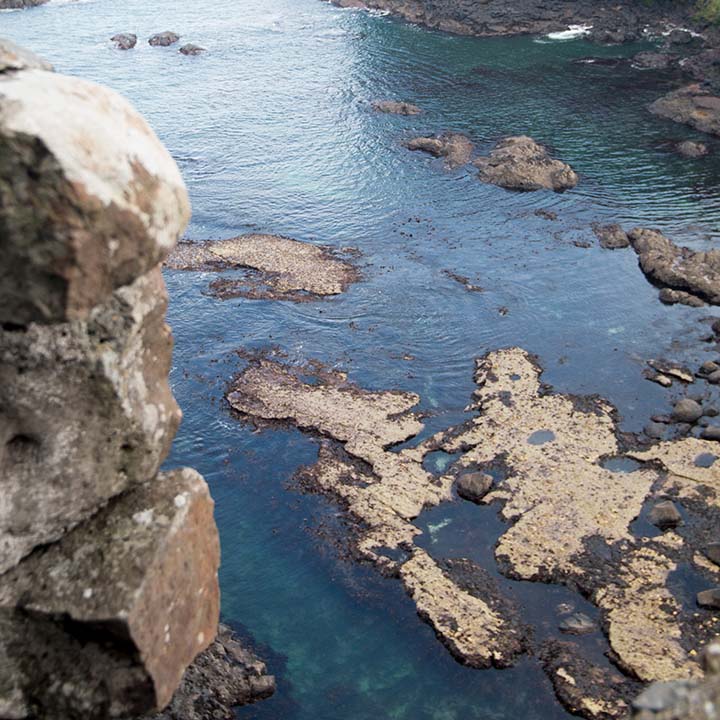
<point>273,132</point>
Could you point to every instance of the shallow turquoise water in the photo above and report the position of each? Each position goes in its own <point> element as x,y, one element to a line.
<point>273,132</point>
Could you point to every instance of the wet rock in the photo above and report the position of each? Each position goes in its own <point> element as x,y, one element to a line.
<point>708,368</point>
<point>124,41</point>
<point>709,598</point>
<point>679,372</point>
<point>712,552</point>
<point>78,220</point>
<point>279,268</point>
<point>714,377</point>
<point>648,60</point>
<point>678,297</point>
<point>711,411</point>
<point>687,411</point>
<point>392,107</point>
<point>711,433</point>
<point>455,148</point>
<point>164,39</point>
<point>19,4</point>
<point>665,515</point>
<point>583,689</point>
<point>692,149</point>
<point>655,430</point>
<point>680,36</point>
<point>222,677</point>
<point>14,57</point>
<point>658,378</point>
<point>519,163</point>
<point>191,49</point>
<point>109,601</point>
<point>474,486</point>
<point>677,268</point>
<point>611,237</point>
<point>578,624</point>
<point>112,371</point>
<point>692,105</point>
<point>546,214</point>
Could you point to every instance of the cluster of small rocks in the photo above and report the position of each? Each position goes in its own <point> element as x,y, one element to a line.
<point>127,41</point>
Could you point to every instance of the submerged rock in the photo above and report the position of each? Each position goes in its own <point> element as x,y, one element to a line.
<point>709,598</point>
<point>692,105</point>
<point>124,41</point>
<point>164,39</point>
<point>692,149</point>
<point>191,49</point>
<point>455,148</point>
<point>677,268</point>
<point>279,268</point>
<point>648,60</point>
<point>519,163</point>
<point>393,107</point>
<point>668,296</point>
<point>578,624</point>
<point>611,237</point>
<point>222,677</point>
<point>78,220</point>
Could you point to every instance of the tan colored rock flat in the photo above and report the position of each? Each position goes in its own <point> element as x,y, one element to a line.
<point>113,595</point>
<point>381,489</point>
<point>285,268</point>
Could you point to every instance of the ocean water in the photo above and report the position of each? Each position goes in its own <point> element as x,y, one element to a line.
<point>273,132</point>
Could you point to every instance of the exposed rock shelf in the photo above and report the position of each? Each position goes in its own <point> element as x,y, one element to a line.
<point>554,484</point>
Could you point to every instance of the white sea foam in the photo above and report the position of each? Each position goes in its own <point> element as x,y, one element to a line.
<point>572,33</point>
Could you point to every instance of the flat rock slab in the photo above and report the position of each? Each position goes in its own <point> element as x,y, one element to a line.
<point>281,268</point>
<point>677,268</point>
<point>110,601</point>
<point>86,205</point>
<point>520,163</point>
<point>86,412</point>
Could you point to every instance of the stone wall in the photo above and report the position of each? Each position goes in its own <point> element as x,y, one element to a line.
<point>108,568</point>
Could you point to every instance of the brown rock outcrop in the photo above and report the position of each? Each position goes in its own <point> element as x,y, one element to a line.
<point>455,148</point>
<point>520,163</point>
<point>692,105</point>
<point>677,268</point>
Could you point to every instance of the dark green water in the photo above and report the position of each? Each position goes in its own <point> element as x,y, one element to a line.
<point>273,132</point>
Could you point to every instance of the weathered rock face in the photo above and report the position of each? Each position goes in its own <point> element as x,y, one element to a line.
<point>519,163</point>
<point>111,371</point>
<point>108,571</point>
<point>118,583</point>
<point>678,268</point>
<point>692,105</point>
<point>81,214</point>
